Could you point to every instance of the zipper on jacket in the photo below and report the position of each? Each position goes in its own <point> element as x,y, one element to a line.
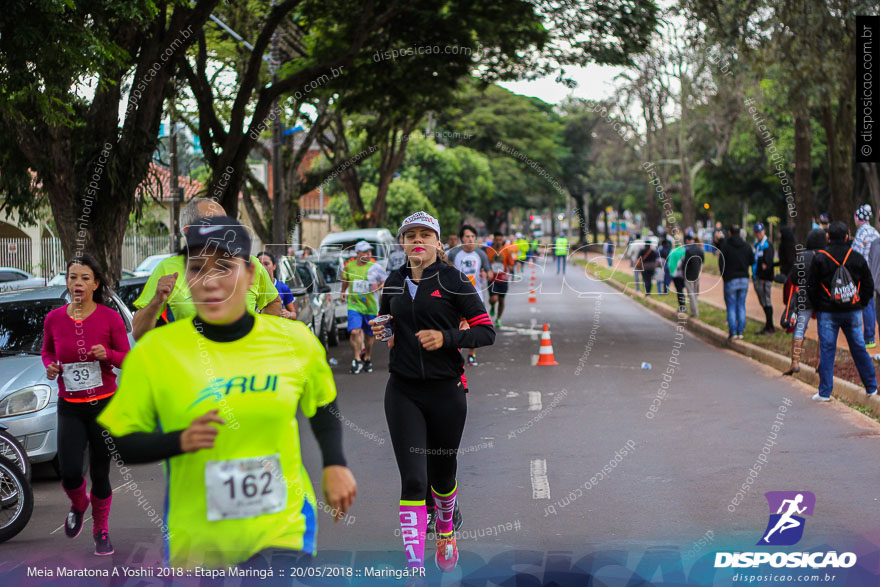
<point>418,342</point>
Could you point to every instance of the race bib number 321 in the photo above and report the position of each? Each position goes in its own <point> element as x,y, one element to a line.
<point>244,488</point>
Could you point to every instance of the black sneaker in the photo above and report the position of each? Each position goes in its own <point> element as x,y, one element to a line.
<point>368,366</point>
<point>103,547</point>
<point>432,521</point>
<point>456,517</point>
<point>472,360</point>
<point>73,524</point>
<point>356,366</point>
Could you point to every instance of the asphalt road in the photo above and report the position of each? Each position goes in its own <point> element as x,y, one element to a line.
<point>568,465</point>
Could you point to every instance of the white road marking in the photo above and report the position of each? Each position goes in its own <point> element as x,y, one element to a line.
<point>534,401</point>
<point>540,483</point>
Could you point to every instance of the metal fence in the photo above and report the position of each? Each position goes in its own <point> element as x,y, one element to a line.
<point>17,252</point>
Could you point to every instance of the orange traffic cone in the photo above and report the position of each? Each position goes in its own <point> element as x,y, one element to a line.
<point>545,354</point>
<point>532,298</point>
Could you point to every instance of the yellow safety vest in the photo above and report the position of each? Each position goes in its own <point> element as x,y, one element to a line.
<point>561,246</point>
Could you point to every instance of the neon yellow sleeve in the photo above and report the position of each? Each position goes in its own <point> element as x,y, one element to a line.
<point>264,286</point>
<point>133,407</point>
<point>149,291</point>
<point>320,388</point>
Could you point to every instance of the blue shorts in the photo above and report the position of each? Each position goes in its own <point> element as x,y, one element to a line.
<point>357,320</point>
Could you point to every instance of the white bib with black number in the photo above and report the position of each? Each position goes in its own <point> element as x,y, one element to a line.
<point>81,376</point>
<point>244,488</point>
<point>498,267</point>
<point>361,286</point>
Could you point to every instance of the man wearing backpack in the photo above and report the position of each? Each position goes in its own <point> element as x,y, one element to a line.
<point>865,235</point>
<point>840,284</point>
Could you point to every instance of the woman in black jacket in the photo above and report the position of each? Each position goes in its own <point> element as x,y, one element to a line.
<point>425,401</point>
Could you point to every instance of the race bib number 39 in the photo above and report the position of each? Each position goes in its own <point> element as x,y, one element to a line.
<point>244,488</point>
<point>81,376</point>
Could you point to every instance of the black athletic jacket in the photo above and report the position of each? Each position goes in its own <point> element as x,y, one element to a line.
<point>444,297</point>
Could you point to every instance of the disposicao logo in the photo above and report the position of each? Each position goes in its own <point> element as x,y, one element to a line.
<point>786,528</point>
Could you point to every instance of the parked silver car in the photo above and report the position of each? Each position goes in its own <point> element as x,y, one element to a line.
<point>330,266</point>
<point>322,301</point>
<point>13,278</point>
<point>28,400</point>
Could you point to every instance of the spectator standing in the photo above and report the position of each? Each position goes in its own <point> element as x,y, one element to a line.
<point>646,262</point>
<point>865,236</point>
<point>609,251</point>
<point>762,276</point>
<point>839,286</point>
<point>734,260</point>
<point>800,279</point>
<point>663,250</point>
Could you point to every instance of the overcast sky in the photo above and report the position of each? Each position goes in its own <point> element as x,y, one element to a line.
<point>595,82</point>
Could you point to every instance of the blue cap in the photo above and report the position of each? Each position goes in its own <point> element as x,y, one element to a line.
<point>758,227</point>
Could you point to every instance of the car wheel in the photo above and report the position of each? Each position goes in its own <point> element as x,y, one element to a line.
<point>323,337</point>
<point>333,334</point>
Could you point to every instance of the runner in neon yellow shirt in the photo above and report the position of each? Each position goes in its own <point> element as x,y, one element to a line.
<point>166,287</point>
<point>215,396</point>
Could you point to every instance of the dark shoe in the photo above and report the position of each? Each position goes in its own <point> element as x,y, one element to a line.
<point>792,371</point>
<point>73,524</point>
<point>432,521</point>
<point>103,547</point>
<point>356,366</point>
<point>368,366</point>
<point>472,360</point>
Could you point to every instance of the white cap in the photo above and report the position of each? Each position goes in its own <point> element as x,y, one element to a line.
<point>362,246</point>
<point>420,219</point>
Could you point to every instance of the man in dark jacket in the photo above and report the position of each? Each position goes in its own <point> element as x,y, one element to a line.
<point>734,261</point>
<point>762,276</point>
<point>840,314</point>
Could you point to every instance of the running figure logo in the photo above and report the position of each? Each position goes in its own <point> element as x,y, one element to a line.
<point>786,526</point>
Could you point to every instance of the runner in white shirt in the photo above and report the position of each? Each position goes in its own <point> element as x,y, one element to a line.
<point>473,262</point>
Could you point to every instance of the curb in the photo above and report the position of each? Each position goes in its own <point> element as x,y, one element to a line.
<point>843,389</point>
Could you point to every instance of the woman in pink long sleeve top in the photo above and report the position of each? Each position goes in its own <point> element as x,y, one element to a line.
<point>82,342</point>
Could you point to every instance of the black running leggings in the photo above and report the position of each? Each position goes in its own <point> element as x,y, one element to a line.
<point>426,420</point>
<point>76,428</point>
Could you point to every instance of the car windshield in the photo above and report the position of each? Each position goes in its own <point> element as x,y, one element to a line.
<point>347,248</point>
<point>21,325</point>
<point>150,263</point>
<point>128,293</point>
<point>329,270</point>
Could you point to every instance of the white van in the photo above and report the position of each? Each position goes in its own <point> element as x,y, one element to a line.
<point>343,242</point>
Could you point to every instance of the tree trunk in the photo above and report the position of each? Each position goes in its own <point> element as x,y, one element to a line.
<point>652,210</point>
<point>803,171</point>
<point>872,182</point>
<point>687,192</point>
<point>839,132</point>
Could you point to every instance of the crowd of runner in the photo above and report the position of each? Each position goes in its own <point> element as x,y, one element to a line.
<point>212,387</point>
